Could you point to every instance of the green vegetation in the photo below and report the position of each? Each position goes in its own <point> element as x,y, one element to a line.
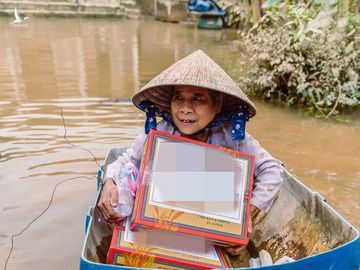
<point>306,56</point>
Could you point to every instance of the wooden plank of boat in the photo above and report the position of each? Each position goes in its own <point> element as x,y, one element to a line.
<point>300,224</point>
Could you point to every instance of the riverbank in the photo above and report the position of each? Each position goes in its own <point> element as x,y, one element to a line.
<point>163,10</point>
<point>73,8</point>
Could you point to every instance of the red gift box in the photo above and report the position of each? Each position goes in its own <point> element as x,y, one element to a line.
<point>162,250</point>
<point>194,188</point>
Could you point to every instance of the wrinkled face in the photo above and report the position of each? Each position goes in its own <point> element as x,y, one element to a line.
<point>192,109</point>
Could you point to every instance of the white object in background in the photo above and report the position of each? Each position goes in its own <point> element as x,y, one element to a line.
<point>254,262</point>
<point>18,19</point>
<point>284,259</point>
<point>265,258</point>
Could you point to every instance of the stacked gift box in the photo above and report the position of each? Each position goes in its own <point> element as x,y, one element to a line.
<point>192,197</point>
<point>163,250</point>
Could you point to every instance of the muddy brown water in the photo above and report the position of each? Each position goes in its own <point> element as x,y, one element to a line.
<point>90,68</point>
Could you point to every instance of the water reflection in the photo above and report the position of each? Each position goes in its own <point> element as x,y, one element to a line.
<point>77,58</point>
<point>90,68</point>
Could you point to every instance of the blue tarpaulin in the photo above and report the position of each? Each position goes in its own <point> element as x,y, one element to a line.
<point>205,7</point>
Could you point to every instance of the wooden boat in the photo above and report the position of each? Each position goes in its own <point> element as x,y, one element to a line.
<point>300,224</point>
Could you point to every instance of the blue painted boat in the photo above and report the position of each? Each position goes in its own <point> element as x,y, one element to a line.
<point>209,21</point>
<point>300,224</point>
<point>210,14</point>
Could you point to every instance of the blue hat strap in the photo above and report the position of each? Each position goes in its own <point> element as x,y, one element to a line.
<point>150,121</point>
<point>238,123</point>
<point>238,119</point>
<point>151,111</point>
<point>220,120</point>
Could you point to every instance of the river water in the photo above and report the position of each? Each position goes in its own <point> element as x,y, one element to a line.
<point>88,68</point>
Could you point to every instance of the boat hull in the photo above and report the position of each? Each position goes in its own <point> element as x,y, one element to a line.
<point>300,224</point>
<point>210,22</point>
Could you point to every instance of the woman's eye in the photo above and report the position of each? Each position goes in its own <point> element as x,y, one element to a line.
<point>198,98</point>
<point>176,97</point>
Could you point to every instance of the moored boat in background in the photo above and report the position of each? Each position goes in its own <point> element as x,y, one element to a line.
<point>208,13</point>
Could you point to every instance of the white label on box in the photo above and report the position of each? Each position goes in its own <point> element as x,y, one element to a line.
<point>193,186</point>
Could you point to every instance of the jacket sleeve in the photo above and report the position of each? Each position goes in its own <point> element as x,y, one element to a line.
<point>267,175</point>
<point>132,154</point>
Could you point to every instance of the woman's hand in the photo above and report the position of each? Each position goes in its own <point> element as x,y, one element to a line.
<point>108,200</point>
<point>236,250</point>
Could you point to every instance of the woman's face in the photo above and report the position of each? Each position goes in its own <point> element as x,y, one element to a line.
<point>192,109</point>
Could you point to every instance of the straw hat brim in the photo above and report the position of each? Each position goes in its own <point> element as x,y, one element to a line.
<point>196,69</point>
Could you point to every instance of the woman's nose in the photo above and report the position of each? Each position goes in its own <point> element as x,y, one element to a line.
<point>186,108</point>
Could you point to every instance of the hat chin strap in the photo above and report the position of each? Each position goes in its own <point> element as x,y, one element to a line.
<point>238,118</point>
<point>238,123</point>
<point>151,110</point>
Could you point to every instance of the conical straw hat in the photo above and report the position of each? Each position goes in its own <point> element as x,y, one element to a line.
<point>196,69</point>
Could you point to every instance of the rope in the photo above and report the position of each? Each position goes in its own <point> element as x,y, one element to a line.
<point>13,236</point>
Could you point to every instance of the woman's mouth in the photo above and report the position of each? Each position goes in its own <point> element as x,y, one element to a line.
<point>187,121</point>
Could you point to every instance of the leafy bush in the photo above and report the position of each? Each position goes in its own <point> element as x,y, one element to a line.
<point>305,59</point>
